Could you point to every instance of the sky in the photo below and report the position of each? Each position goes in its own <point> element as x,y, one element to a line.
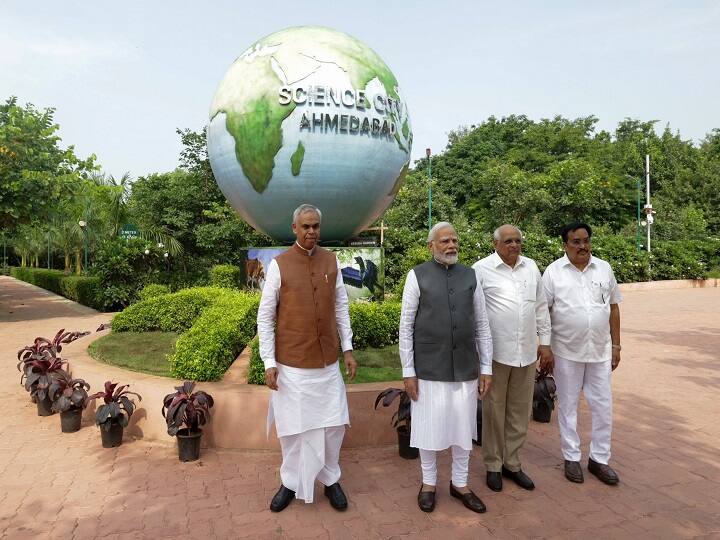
<point>123,76</point>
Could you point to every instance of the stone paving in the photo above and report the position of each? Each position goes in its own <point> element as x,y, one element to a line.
<point>666,450</point>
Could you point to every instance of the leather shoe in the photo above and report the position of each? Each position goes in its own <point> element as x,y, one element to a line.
<point>426,500</point>
<point>573,472</point>
<point>605,473</point>
<point>337,496</point>
<point>470,500</point>
<point>519,477</point>
<point>282,498</point>
<point>494,480</point>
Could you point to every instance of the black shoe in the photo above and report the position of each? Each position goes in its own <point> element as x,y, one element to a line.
<point>494,480</point>
<point>605,473</point>
<point>573,472</point>
<point>470,500</point>
<point>282,498</point>
<point>426,500</point>
<point>519,477</point>
<point>337,497</point>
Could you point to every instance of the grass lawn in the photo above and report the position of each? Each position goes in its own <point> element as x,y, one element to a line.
<point>375,365</point>
<point>147,351</point>
<point>137,351</point>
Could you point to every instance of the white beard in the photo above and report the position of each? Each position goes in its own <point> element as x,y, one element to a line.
<point>447,259</point>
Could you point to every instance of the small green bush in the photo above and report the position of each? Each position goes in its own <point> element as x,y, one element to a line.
<point>205,351</point>
<point>225,275</point>
<point>81,289</point>
<point>151,290</point>
<point>256,368</point>
<point>175,312</point>
<point>374,324</point>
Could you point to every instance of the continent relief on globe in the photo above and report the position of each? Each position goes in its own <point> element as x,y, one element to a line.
<point>265,85</point>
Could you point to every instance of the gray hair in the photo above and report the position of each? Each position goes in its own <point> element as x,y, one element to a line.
<point>496,232</point>
<point>303,208</point>
<point>437,227</point>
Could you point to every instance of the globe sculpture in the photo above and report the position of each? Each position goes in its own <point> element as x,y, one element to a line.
<point>309,115</point>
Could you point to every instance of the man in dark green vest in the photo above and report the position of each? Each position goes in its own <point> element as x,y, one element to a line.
<point>446,355</point>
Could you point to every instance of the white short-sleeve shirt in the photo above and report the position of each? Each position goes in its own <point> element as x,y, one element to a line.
<point>579,303</point>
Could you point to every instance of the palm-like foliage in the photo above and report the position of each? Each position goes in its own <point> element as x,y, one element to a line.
<point>118,407</point>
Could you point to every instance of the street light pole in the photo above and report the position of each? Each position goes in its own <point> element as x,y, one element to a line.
<point>83,226</point>
<point>637,223</point>
<point>429,158</point>
<point>648,206</point>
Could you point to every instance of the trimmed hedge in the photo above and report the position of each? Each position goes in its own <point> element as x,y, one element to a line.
<point>175,312</point>
<point>256,368</point>
<point>151,290</point>
<point>205,351</point>
<point>225,275</point>
<point>81,289</point>
<point>374,324</point>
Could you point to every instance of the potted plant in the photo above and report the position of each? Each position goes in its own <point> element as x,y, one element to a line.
<point>400,419</point>
<point>69,397</point>
<point>38,364</point>
<point>190,409</point>
<point>113,416</point>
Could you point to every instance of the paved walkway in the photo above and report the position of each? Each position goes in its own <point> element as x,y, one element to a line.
<point>666,450</point>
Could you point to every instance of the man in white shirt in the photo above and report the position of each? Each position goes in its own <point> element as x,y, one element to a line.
<point>518,315</point>
<point>583,297</point>
<point>303,309</point>
<point>445,345</point>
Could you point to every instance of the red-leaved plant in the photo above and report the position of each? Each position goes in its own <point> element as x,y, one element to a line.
<point>67,393</point>
<point>186,408</point>
<point>118,407</point>
<point>40,363</point>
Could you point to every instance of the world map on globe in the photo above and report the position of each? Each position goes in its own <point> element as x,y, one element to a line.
<point>309,115</point>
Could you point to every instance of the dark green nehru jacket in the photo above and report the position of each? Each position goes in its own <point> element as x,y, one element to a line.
<point>444,333</point>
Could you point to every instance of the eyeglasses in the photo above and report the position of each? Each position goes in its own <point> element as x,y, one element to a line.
<point>511,241</point>
<point>577,242</point>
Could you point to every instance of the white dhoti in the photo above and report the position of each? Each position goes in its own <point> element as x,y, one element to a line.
<point>594,379</point>
<point>310,412</point>
<point>444,416</point>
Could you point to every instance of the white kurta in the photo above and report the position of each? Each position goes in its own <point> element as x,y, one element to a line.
<point>445,412</point>
<point>306,398</point>
<point>310,406</point>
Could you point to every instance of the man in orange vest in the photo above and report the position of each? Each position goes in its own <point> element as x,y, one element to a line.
<point>303,319</point>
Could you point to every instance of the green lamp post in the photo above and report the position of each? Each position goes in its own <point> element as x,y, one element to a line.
<point>429,158</point>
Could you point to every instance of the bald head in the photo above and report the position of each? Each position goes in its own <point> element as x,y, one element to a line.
<point>507,240</point>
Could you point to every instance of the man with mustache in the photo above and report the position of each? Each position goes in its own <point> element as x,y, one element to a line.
<point>446,356</point>
<point>583,297</point>
<point>519,317</point>
<point>303,308</point>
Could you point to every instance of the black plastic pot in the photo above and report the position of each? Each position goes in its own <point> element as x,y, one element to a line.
<point>112,437</point>
<point>542,411</point>
<point>189,444</point>
<point>406,451</point>
<point>70,420</point>
<point>44,407</point>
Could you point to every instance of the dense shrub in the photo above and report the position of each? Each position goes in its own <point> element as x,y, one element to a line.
<point>677,259</point>
<point>175,312</point>
<point>256,368</point>
<point>183,279</point>
<point>374,324</point>
<point>151,290</point>
<point>628,264</point>
<point>225,275</point>
<point>205,351</point>
<point>124,268</point>
<point>81,289</point>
